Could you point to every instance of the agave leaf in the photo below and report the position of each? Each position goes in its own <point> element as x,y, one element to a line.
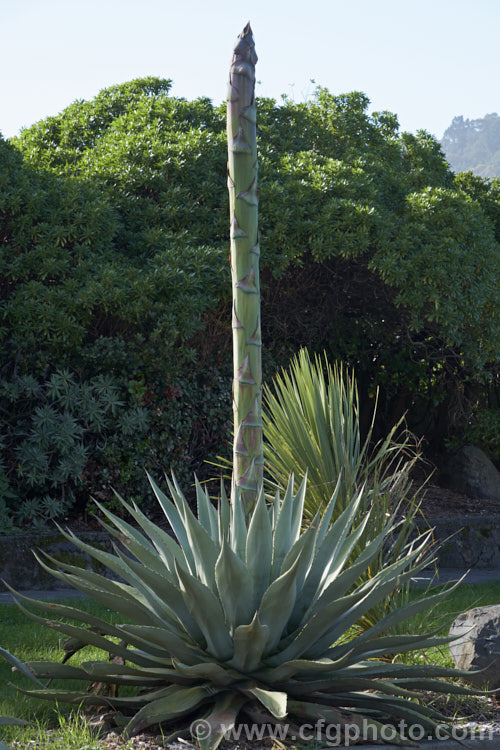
<point>177,702</point>
<point>166,547</point>
<point>345,550</point>
<point>235,585</point>
<point>301,643</point>
<point>397,671</point>
<point>205,551</point>
<point>115,595</point>
<point>84,699</point>
<point>238,537</point>
<point>19,665</point>
<point>402,613</point>
<point>164,590</point>
<point>283,530</point>
<point>123,674</point>
<point>327,514</point>
<point>298,509</point>
<point>249,643</point>
<point>89,637</point>
<point>377,590</point>
<point>437,686</point>
<point>397,644</point>
<point>273,700</point>
<point>106,558</point>
<point>207,611</point>
<point>304,667</point>
<point>207,515</point>
<point>161,593</point>
<point>175,520</point>
<point>56,671</point>
<point>325,554</point>
<point>224,511</point>
<point>11,721</point>
<point>259,550</point>
<point>220,720</point>
<point>277,605</point>
<point>334,588</point>
<point>303,551</point>
<point>336,684</point>
<point>202,503</point>
<point>209,671</point>
<point>274,509</point>
<point>170,643</point>
<point>64,610</point>
<point>341,718</point>
<point>151,558</point>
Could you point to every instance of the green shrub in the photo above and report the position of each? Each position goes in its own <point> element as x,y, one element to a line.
<point>113,244</point>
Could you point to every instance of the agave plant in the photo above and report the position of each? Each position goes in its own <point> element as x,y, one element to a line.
<point>234,619</point>
<point>245,613</point>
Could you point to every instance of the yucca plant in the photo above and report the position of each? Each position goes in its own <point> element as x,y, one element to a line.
<point>312,426</point>
<point>311,420</point>
<point>240,620</point>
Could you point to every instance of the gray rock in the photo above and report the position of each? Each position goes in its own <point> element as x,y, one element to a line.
<point>470,472</point>
<point>478,646</point>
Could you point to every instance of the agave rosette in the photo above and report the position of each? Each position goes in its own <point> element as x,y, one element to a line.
<point>234,620</point>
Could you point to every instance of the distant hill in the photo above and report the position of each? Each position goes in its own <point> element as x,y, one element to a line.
<point>474,145</point>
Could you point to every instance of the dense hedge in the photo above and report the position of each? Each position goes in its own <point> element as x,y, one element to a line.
<point>115,336</point>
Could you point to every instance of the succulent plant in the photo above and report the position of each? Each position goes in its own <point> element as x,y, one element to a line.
<point>245,613</point>
<point>234,618</point>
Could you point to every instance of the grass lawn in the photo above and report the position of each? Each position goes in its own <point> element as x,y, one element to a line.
<point>30,641</point>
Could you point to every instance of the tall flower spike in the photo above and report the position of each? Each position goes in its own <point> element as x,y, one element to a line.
<point>243,211</point>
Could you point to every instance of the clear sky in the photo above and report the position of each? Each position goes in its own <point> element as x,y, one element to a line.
<point>425,60</point>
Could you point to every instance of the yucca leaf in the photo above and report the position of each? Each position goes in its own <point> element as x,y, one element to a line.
<point>208,612</point>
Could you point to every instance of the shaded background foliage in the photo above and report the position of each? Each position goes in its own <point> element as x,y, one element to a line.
<point>114,284</point>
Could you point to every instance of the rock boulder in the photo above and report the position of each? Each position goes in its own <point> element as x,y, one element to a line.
<point>470,472</point>
<point>479,645</point>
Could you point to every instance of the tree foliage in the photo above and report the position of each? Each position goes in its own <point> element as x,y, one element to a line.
<point>114,278</point>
